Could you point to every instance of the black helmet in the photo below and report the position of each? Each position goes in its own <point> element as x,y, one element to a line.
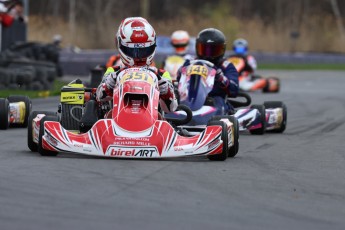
<point>210,45</point>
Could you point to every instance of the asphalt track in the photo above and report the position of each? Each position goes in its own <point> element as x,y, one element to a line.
<point>294,180</point>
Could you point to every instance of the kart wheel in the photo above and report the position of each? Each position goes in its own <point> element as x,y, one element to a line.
<point>28,106</point>
<point>272,85</point>
<point>41,150</point>
<point>233,150</point>
<point>33,146</point>
<point>224,154</point>
<point>261,109</point>
<point>278,104</point>
<point>4,113</point>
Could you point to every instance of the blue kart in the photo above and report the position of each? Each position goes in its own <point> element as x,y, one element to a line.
<point>196,82</point>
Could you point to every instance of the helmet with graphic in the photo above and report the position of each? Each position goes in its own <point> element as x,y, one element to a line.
<point>180,41</point>
<point>210,45</point>
<point>136,41</point>
<point>240,46</point>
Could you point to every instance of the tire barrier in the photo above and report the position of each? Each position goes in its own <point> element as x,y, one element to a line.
<point>29,66</point>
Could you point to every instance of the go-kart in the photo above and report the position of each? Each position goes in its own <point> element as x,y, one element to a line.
<point>197,81</point>
<point>14,111</point>
<point>133,127</point>
<point>252,82</point>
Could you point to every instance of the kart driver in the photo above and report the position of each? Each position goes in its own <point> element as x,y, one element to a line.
<point>211,45</point>
<point>136,43</point>
<point>180,41</point>
<point>240,48</point>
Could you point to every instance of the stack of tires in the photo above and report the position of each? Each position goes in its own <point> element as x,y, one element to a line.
<point>29,66</point>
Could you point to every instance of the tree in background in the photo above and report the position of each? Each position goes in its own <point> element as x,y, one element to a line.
<point>269,25</point>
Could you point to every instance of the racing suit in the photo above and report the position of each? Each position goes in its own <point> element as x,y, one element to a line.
<point>250,63</point>
<point>225,85</point>
<point>114,60</point>
<point>168,102</point>
<point>172,68</point>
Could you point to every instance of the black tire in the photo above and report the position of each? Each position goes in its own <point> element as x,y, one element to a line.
<point>261,109</point>
<point>233,150</point>
<point>4,113</point>
<point>25,75</point>
<point>41,150</point>
<point>224,154</point>
<point>266,89</point>
<point>28,107</point>
<point>31,144</point>
<point>278,104</point>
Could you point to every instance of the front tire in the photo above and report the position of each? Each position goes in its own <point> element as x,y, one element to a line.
<point>233,150</point>
<point>28,106</point>
<point>41,150</point>
<point>33,146</point>
<point>224,137</point>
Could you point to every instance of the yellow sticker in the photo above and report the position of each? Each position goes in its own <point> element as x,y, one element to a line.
<point>137,76</point>
<point>198,70</point>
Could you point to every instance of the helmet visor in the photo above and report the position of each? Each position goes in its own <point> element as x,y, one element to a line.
<point>240,49</point>
<point>210,50</point>
<point>135,53</point>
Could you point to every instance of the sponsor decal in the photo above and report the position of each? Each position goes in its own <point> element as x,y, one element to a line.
<point>78,145</point>
<point>213,144</point>
<point>139,45</point>
<point>68,98</point>
<point>178,149</point>
<point>51,140</point>
<point>132,151</point>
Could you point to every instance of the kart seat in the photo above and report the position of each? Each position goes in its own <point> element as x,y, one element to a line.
<point>89,117</point>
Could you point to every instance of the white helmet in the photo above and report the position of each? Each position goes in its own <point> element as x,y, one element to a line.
<point>180,40</point>
<point>136,41</point>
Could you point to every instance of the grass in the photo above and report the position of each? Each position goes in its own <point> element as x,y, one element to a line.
<point>58,84</point>
<point>312,66</point>
<point>35,94</point>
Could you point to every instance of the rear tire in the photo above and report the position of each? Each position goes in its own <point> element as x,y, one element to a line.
<point>278,104</point>
<point>33,146</point>
<point>28,106</point>
<point>41,150</point>
<point>4,113</point>
<point>269,82</point>
<point>224,137</point>
<point>261,109</point>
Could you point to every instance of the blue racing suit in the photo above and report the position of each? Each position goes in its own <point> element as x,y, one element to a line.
<point>225,85</point>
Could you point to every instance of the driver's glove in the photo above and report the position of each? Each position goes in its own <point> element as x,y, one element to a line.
<point>221,78</point>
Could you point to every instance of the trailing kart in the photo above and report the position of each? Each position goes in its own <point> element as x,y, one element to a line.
<point>133,130</point>
<point>172,64</point>
<point>197,81</point>
<point>14,111</point>
<point>250,82</point>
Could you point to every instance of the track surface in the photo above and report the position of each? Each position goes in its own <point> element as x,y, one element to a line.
<point>293,180</point>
